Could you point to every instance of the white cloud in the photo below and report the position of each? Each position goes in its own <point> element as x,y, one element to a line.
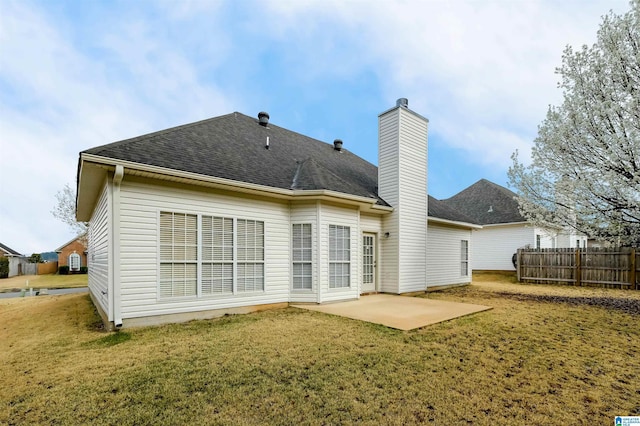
<point>483,72</point>
<point>63,100</point>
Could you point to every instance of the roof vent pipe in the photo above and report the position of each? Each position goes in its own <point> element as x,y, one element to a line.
<point>337,145</point>
<point>263,118</point>
<point>403,102</point>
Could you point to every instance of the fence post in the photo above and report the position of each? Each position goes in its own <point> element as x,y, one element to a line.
<point>518,263</point>
<point>632,273</point>
<point>578,268</point>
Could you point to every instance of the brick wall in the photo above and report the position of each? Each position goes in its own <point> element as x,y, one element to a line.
<point>78,247</point>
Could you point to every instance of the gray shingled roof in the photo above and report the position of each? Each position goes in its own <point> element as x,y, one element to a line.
<point>233,147</point>
<point>439,209</point>
<point>9,250</point>
<point>486,203</point>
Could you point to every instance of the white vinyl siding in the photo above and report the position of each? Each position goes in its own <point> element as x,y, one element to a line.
<point>464,258</point>
<point>141,202</point>
<point>388,181</point>
<point>339,256</point>
<point>493,246</point>
<point>217,255</point>
<point>98,251</point>
<point>444,254</point>
<point>178,254</point>
<point>302,256</point>
<point>402,178</point>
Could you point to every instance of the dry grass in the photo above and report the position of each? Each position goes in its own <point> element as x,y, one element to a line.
<point>529,361</point>
<point>507,282</point>
<point>43,281</point>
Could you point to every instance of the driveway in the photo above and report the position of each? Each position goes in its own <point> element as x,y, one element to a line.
<point>400,312</point>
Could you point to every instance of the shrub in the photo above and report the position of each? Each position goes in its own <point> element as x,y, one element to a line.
<point>84,269</point>
<point>4,267</point>
<point>63,270</point>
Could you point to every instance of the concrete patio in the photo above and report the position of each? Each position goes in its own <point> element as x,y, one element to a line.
<point>400,312</point>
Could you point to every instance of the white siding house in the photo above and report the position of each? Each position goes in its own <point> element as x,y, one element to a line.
<point>265,218</point>
<point>504,230</point>
<point>494,245</point>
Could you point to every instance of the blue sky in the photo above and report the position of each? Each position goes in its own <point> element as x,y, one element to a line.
<point>78,74</point>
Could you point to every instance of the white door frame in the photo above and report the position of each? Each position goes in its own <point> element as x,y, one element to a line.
<point>372,259</point>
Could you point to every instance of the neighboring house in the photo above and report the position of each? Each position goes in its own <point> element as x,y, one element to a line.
<point>73,253</point>
<point>18,263</point>
<point>234,214</point>
<point>8,252</point>
<point>504,229</point>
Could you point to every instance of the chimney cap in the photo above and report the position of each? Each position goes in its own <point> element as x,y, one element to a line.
<point>263,118</point>
<point>337,144</point>
<point>402,102</point>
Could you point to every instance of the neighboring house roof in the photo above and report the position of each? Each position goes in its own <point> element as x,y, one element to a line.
<point>487,203</point>
<point>233,146</point>
<point>62,247</point>
<point>438,209</point>
<point>7,251</point>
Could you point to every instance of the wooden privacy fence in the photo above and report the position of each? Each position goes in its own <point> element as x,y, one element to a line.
<point>617,267</point>
<point>47,268</point>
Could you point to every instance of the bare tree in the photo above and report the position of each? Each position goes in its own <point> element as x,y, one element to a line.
<point>65,210</point>
<point>585,169</point>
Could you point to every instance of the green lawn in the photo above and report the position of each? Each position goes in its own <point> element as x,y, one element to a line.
<point>43,281</point>
<point>543,355</point>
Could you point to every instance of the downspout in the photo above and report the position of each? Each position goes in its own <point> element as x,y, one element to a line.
<point>318,257</point>
<point>117,180</point>
<point>426,240</point>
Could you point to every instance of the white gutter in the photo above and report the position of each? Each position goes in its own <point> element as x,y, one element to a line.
<point>453,223</point>
<point>117,180</point>
<point>505,224</point>
<point>237,185</point>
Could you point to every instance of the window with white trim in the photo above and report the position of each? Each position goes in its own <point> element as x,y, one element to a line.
<point>178,254</point>
<point>250,255</point>
<point>464,258</point>
<point>74,262</point>
<point>227,254</point>
<point>217,255</point>
<point>339,256</point>
<point>301,255</point>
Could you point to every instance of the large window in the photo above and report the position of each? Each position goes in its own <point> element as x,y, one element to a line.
<point>339,256</point>
<point>178,254</point>
<point>228,256</point>
<point>464,258</point>
<point>302,252</point>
